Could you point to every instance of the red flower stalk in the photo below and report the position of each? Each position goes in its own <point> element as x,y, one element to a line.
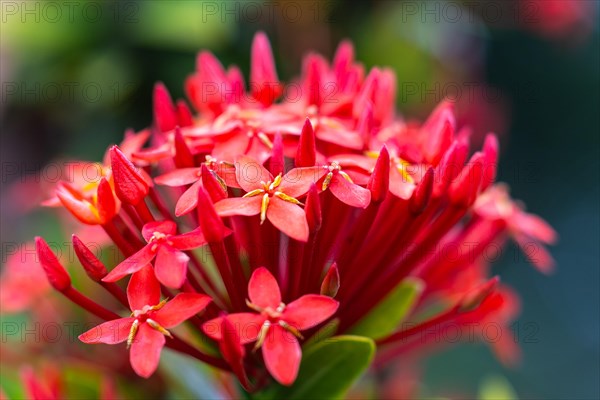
<point>331,193</point>
<point>146,328</point>
<point>275,326</point>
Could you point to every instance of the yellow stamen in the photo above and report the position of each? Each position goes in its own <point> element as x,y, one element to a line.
<point>291,329</point>
<point>265,140</point>
<point>132,332</point>
<point>276,182</point>
<point>287,198</point>
<point>254,192</point>
<point>262,335</point>
<point>159,305</point>
<point>155,325</point>
<point>253,306</point>
<point>327,181</point>
<point>401,167</point>
<point>346,176</point>
<point>263,207</point>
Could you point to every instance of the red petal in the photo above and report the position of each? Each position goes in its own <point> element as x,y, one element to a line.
<point>239,206</point>
<point>165,227</point>
<point>349,193</point>
<point>282,355</point>
<point>212,186</point>
<point>533,226</point>
<point>183,157</point>
<point>184,114</point>
<point>422,193</point>
<point>165,113</point>
<point>145,350</point>
<point>210,223</point>
<point>306,154</point>
<point>400,186</point>
<point>263,289</point>
<point>298,180</point>
<point>250,173</point>
<point>171,267</point>
<point>179,177</point>
<point>233,351</point>
<point>81,209</point>
<point>130,186</point>
<point>181,308</point>
<point>130,265</point>
<point>56,273</point>
<point>143,289</point>
<point>247,326</point>
<point>188,241</point>
<point>263,76</point>
<point>105,203</point>
<point>309,310</point>
<point>188,200</point>
<point>93,267</point>
<point>380,178</point>
<point>288,218</point>
<point>110,332</point>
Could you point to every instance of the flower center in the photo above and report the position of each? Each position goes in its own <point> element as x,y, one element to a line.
<point>334,168</point>
<point>143,316</point>
<point>273,317</point>
<point>268,190</point>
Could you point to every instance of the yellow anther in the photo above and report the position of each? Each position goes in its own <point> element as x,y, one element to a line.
<point>263,207</point>
<point>327,181</point>
<point>132,332</point>
<point>372,154</point>
<point>265,140</point>
<point>276,182</point>
<point>287,198</point>
<point>262,335</point>
<point>220,180</point>
<point>401,167</point>
<point>254,192</point>
<point>291,329</point>
<point>253,306</point>
<point>346,176</point>
<point>159,305</point>
<point>155,325</point>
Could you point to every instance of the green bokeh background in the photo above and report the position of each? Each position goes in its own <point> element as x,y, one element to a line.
<point>549,126</point>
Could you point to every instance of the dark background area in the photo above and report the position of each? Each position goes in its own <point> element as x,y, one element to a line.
<point>545,109</point>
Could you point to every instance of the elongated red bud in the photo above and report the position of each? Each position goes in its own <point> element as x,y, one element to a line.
<point>106,204</point>
<point>276,162</point>
<point>184,114</point>
<point>490,161</point>
<point>183,156</point>
<point>93,267</point>
<point>439,141</point>
<point>476,296</point>
<point>165,113</point>
<point>331,282</point>
<point>56,273</point>
<point>342,62</point>
<point>464,189</point>
<point>233,351</point>
<point>211,224</point>
<point>313,209</point>
<point>379,181</point>
<point>306,155</point>
<point>264,83</point>
<point>130,186</point>
<point>422,193</point>
<point>315,67</point>
<point>214,185</point>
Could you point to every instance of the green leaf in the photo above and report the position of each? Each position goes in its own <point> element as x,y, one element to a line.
<point>391,311</point>
<point>496,387</point>
<point>328,369</point>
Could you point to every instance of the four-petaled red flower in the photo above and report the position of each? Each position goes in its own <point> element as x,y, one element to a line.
<point>275,326</point>
<point>341,186</point>
<point>274,198</point>
<point>146,328</point>
<point>165,246</point>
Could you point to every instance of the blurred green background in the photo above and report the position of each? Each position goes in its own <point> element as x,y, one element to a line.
<point>75,76</point>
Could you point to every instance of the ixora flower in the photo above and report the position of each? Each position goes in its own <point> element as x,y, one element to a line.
<point>275,326</point>
<point>145,330</point>
<point>286,204</point>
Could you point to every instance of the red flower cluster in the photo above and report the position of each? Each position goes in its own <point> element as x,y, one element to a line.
<point>328,194</point>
